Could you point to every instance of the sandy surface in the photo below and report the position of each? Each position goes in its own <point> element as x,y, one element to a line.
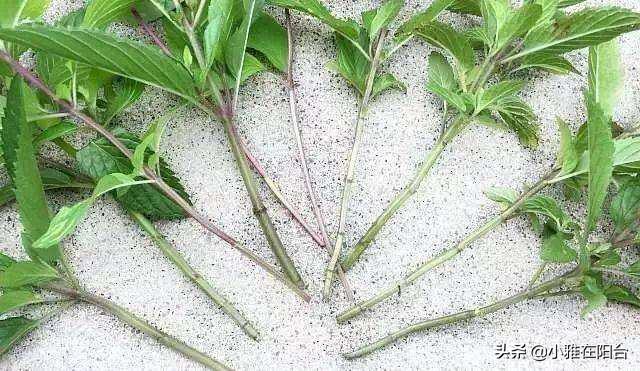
<point>113,257</point>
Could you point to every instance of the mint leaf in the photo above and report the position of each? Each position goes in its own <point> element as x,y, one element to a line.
<point>424,17</point>
<point>555,250</point>
<point>586,28</point>
<point>455,43</point>
<point>27,273</point>
<point>605,76</point>
<point>22,166</point>
<point>568,155</point>
<point>12,300</point>
<point>625,207</point>
<point>442,82</point>
<point>100,50</point>
<point>622,294</point>
<point>100,158</point>
<point>601,160</point>
<point>268,37</point>
<point>13,330</point>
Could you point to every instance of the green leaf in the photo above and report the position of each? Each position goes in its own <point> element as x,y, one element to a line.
<point>568,155</point>
<point>12,300</point>
<point>518,24</point>
<point>625,207</point>
<point>586,28</point>
<point>495,14</point>
<point>101,13</point>
<point>605,76</point>
<point>385,82</point>
<point>12,11</point>
<point>126,58</point>
<point>221,19</point>
<point>22,167</point>
<point>548,62</point>
<point>351,64</point>
<point>601,161</point>
<point>466,7</point>
<point>548,207</point>
<point>455,43</point>
<point>68,218</point>
<point>27,273</point>
<point>497,93</point>
<point>594,294</point>
<point>123,97</point>
<point>54,132</point>
<point>384,15</point>
<point>13,330</point>
<point>442,81</point>
<point>519,117</point>
<point>424,17</point>
<point>568,3</point>
<point>236,47</point>
<point>556,250</point>
<point>63,224</point>
<point>622,294</point>
<point>634,269</point>
<point>5,262</point>
<point>626,154</point>
<point>315,8</point>
<point>504,196</point>
<point>100,158</point>
<point>268,37</point>
<point>609,258</point>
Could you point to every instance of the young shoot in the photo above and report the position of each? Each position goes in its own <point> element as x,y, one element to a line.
<point>483,105</point>
<point>215,77</point>
<point>592,265</point>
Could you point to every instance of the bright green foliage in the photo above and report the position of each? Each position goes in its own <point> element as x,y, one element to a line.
<point>104,51</point>
<point>605,76</point>
<point>27,273</point>
<point>16,299</point>
<point>582,29</point>
<point>555,250</point>
<point>601,160</point>
<point>13,330</point>
<point>625,207</point>
<point>101,13</point>
<point>348,29</point>
<point>22,166</point>
<point>100,158</point>
<point>67,219</point>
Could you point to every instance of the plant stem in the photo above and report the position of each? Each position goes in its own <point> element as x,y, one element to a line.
<point>271,184</point>
<point>259,209</point>
<point>351,167</point>
<point>460,316</point>
<point>139,324</point>
<point>145,27</point>
<point>148,172</point>
<point>537,274</point>
<point>275,190</point>
<point>178,260</point>
<point>446,255</point>
<point>405,195</point>
<point>302,157</point>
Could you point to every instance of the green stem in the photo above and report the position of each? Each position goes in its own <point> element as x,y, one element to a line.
<point>351,167</point>
<point>537,274</point>
<point>457,317</point>
<point>444,256</point>
<point>259,209</point>
<point>178,260</point>
<point>404,196</point>
<point>139,324</point>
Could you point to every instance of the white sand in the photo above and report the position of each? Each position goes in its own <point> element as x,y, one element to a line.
<point>113,257</point>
